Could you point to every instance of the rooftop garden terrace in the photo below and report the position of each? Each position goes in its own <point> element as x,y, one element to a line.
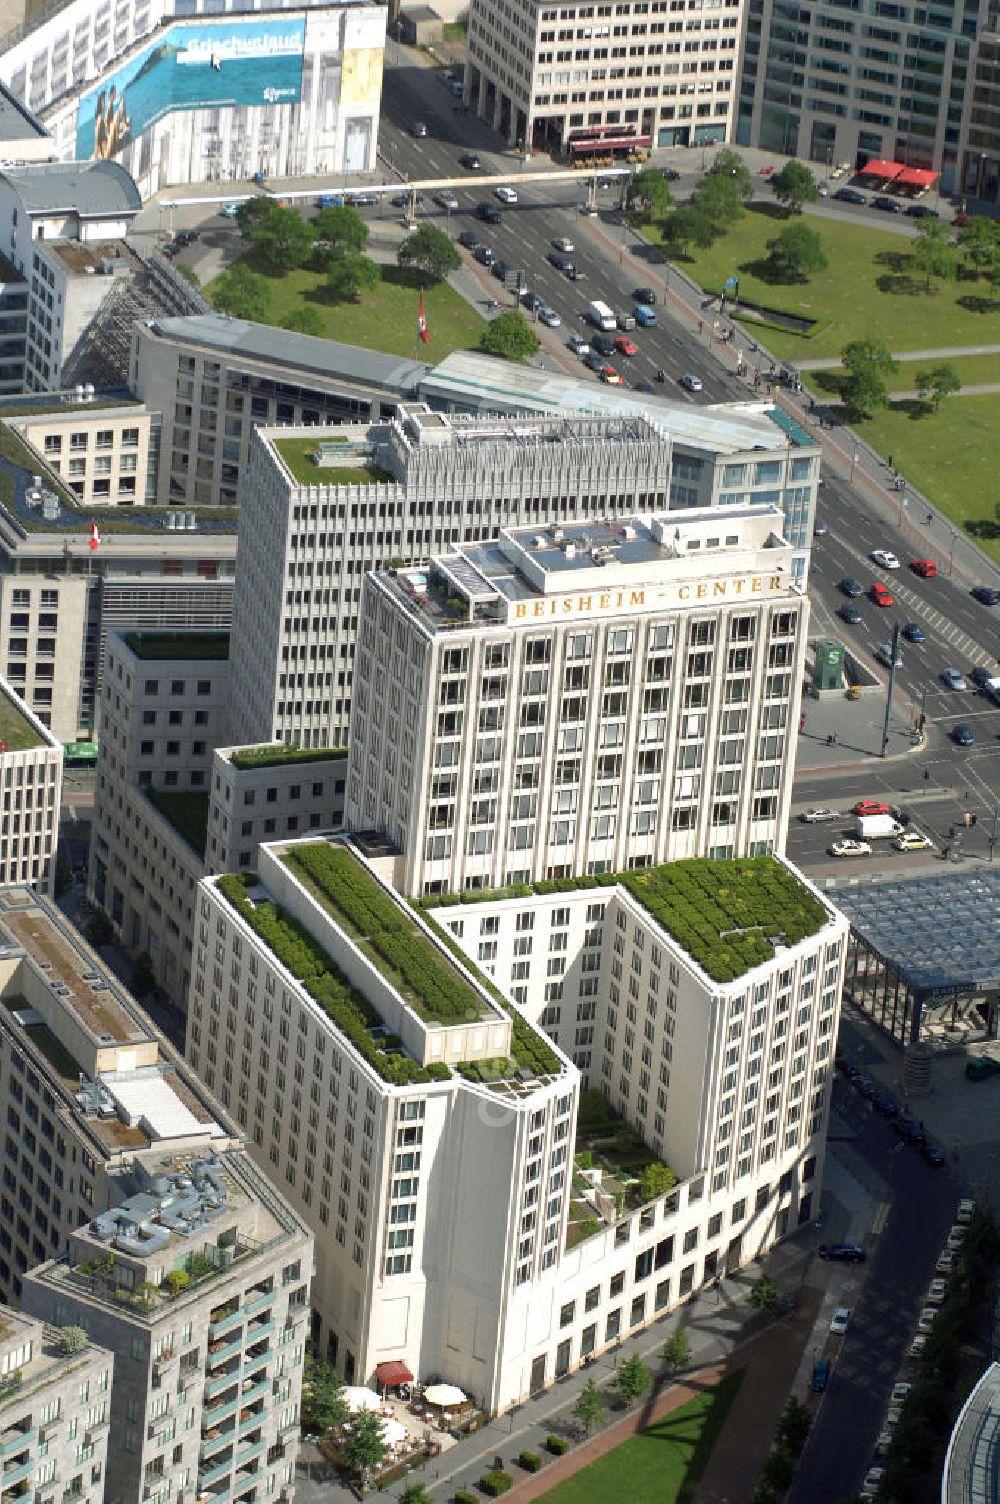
<point>186,812</point>
<point>299,457</point>
<point>727,915</point>
<point>16,729</point>
<point>346,1008</point>
<point>281,755</point>
<point>181,645</point>
<point>386,933</point>
<point>610,1161</point>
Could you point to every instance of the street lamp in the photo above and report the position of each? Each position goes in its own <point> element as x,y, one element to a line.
<point>854,460</point>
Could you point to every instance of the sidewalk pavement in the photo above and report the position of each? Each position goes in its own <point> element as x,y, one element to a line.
<point>946,352</point>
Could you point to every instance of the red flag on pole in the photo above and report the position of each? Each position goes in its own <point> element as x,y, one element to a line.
<point>422,329</point>
<point>95,538</point>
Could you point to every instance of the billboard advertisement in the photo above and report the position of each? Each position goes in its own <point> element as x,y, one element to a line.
<point>202,65</point>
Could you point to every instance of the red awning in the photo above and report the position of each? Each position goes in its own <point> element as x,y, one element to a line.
<point>609,143</point>
<point>392,1374</point>
<point>916,177</point>
<point>880,169</point>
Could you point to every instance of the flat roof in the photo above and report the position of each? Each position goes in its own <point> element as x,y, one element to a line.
<point>939,933</point>
<point>502,386</point>
<point>19,727</point>
<point>180,646</point>
<point>326,358</point>
<point>94,190</point>
<point>83,257</point>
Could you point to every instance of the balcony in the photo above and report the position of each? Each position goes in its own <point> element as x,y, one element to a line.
<point>221,1382</point>
<point>251,1307</point>
<point>228,1316</point>
<point>12,1442</point>
<point>213,1474</point>
<point>220,1352</point>
<point>212,1443</point>
<point>17,1474</point>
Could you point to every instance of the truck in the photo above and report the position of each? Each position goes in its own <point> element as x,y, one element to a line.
<point>877,827</point>
<point>601,316</point>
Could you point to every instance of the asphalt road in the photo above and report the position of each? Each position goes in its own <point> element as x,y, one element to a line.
<point>886,1296</point>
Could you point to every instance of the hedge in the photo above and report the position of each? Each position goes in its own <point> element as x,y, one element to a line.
<point>462,1496</point>
<point>429,981</point>
<point>496,1483</point>
<point>557,1445</point>
<point>530,1461</point>
<point>281,754</point>
<point>299,953</point>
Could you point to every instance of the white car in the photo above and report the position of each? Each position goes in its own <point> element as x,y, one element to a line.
<point>550,317</point>
<point>927,1318</point>
<point>918,1344</point>
<point>690,383</point>
<point>505,195</point>
<point>884,655</point>
<point>946,1262</point>
<point>818,813</point>
<point>912,840</point>
<point>446,199</point>
<point>850,847</point>
<point>873,1478</point>
<point>884,558</point>
<point>956,1237</point>
<point>936,1292</point>
<point>841,1321</point>
<point>900,1392</point>
<point>883,1443</point>
<point>966,1211</point>
<point>579,345</point>
<point>564,245</point>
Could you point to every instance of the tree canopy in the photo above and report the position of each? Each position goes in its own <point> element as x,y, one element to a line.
<point>363,1448</point>
<point>590,1408</point>
<point>796,253</point>
<point>431,251</point>
<point>241,293</point>
<point>633,1379</point>
<point>323,1403</point>
<point>729,164</point>
<point>935,382</point>
<point>648,195</point>
<point>351,273</point>
<point>509,336</point>
<point>794,186</point>
<point>341,226</point>
<point>933,251</point>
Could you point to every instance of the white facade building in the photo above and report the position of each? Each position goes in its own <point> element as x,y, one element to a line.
<point>425,1129</point>
<point>580,699</point>
<point>31,768</point>
<point>664,72</point>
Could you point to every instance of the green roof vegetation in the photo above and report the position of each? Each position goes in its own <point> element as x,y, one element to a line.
<point>629,1173</point>
<point>386,933</point>
<point>280,754</point>
<point>15,728</point>
<point>186,812</point>
<point>182,645</point>
<point>346,1008</point>
<point>727,915</point>
<point>298,455</point>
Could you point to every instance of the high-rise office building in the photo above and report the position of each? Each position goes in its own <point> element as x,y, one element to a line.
<point>580,699</point>
<point>31,766</point>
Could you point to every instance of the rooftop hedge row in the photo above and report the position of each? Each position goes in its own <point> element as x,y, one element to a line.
<point>351,1013</point>
<point>437,991</point>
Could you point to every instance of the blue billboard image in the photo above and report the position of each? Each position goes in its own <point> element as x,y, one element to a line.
<point>202,65</point>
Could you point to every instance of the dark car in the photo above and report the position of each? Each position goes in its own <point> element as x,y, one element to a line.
<point>593,361</point>
<point>980,675</point>
<point>403,200</point>
<point>484,255</point>
<point>843,1253</point>
<point>850,196</point>
<point>361,200</point>
<point>671,174</point>
<point>603,344</point>
<point>910,1130</point>
<point>986,595</point>
<point>561,261</point>
<point>886,204</point>
<point>932,1155</point>
<point>886,1107</point>
<point>820,1375</point>
<point>913,632</point>
<point>644,295</point>
<point>921,211</point>
<point>850,614</point>
<point>499,270</point>
<point>186,237</point>
<point>490,214</point>
<point>469,160</point>
<point>962,735</point>
<point>468,239</point>
<point>851,587</point>
<point>419,129</point>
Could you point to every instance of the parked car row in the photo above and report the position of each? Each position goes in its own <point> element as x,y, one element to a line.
<point>909,1130</point>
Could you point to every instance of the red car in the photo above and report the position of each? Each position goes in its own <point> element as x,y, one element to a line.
<point>626,346</point>
<point>880,595</point>
<point>926,568</point>
<point>871,807</point>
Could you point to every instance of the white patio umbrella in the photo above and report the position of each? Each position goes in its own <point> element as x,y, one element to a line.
<point>392,1432</point>
<point>359,1398</point>
<point>444,1394</point>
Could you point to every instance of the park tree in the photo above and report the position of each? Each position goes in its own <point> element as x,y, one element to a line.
<point>431,251</point>
<point>655,1179</point>
<point>936,382</point>
<point>590,1407</point>
<point>868,362</point>
<point>341,226</point>
<point>648,196</point>
<point>323,1404</point>
<point>719,199</point>
<point>252,212</point>
<point>933,251</point>
<point>676,1351</point>
<point>796,253</point>
<point>241,293</point>
<point>979,245</point>
<point>303,321</point>
<point>143,976</point>
<point>764,1293</point>
<point>362,1448</point>
<point>793,1427</point>
<point>685,227</point>
<point>778,1471</point>
<point>282,239</point>
<point>633,1379</point>
<point>729,164</point>
<point>415,1493</point>
<point>794,186</point>
<point>509,336</point>
<point>98,928</point>
<point>351,273</point>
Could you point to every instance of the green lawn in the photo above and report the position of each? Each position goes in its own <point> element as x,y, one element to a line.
<point>186,812</point>
<point>971,370</point>
<point>18,733</point>
<point>384,319</point>
<point>298,457</point>
<point>846,298</point>
<point>948,455</point>
<point>662,1465</point>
